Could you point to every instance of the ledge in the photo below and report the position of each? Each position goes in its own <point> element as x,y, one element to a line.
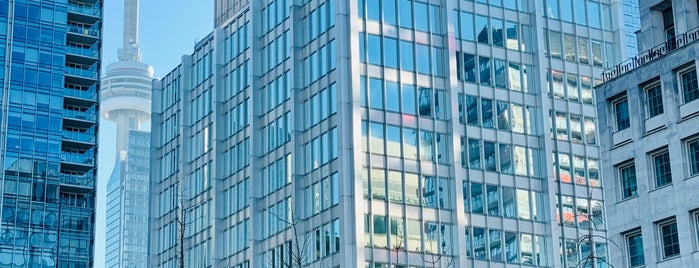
<point>654,123</point>
<point>620,137</point>
<point>689,109</point>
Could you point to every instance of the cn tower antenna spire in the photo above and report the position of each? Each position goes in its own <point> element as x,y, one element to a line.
<point>130,50</point>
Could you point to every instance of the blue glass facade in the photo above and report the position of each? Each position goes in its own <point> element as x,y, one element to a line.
<point>50,53</point>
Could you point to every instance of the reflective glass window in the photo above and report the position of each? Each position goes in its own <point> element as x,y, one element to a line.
<point>474,154</point>
<point>376,142</point>
<point>378,184</point>
<point>420,17</point>
<point>477,198</point>
<point>483,29</point>
<point>497,32</point>
<point>390,51</point>
<point>412,189</point>
<point>493,200</point>
<point>395,186</point>
<point>467,26</point>
<point>408,99</point>
<point>406,56</point>
<point>389,11</point>
<point>487,113</point>
<point>485,73</point>
<point>489,156</point>
<point>406,16</point>
<point>393,142</point>
<point>392,97</point>
<point>410,143</point>
<point>374,42</point>
<point>376,93</point>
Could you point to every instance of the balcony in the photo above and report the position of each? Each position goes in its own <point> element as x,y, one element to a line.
<point>87,95</point>
<point>86,115</point>
<point>81,54</point>
<point>83,33</point>
<point>89,73</point>
<point>83,159</point>
<point>86,180</point>
<point>88,136</point>
<point>652,54</point>
<point>83,9</point>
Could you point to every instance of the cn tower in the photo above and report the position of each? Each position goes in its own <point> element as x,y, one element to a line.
<point>126,101</point>
<point>126,87</point>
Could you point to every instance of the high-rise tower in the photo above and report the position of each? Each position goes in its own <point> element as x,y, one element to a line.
<point>392,133</point>
<point>49,79</point>
<point>126,94</point>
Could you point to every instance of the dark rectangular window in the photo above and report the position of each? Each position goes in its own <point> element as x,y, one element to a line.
<point>661,168</point>
<point>690,87</point>
<point>693,152</point>
<point>629,187</point>
<point>469,69</point>
<point>635,248</point>
<point>621,114</point>
<point>670,239</point>
<point>654,99</point>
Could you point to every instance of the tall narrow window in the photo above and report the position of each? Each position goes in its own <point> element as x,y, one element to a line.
<point>669,238</point>
<point>654,100</point>
<point>634,244</point>
<point>661,168</point>
<point>695,218</point>
<point>688,82</point>
<point>669,25</point>
<point>693,153</point>
<point>621,114</point>
<point>629,187</point>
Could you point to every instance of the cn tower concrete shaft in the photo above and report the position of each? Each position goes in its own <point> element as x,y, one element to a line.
<point>130,50</point>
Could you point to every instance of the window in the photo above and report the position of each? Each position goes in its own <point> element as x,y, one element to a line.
<point>634,246</point>
<point>621,114</point>
<point>669,238</point>
<point>688,82</point>
<point>669,25</point>
<point>661,168</point>
<point>654,100</point>
<point>629,187</point>
<point>693,152</point>
<point>695,218</point>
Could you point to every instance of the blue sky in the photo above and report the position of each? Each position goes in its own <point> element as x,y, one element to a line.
<point>168,30</point>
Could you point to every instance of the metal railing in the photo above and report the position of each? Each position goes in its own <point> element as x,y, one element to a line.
<point>88,73</point>
<point>83,51</point>
<point>90,93</point>
<point>92,10</point>
<point>89,115</point>
<point>86,180</point>
<point>652,54</point>
<point>79,29</point>
<point>87,158</point>
<point>88,136</point>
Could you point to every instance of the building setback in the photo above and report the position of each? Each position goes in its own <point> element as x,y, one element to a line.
<point>648,112</point>
<point>384,133</point>
<point>50,54</point>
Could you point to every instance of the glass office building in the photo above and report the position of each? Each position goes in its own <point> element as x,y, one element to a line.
<point>127,205</point>
<point>50,54</point>
<point>394,133</point>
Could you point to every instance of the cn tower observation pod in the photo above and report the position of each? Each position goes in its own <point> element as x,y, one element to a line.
<point>126,98</point>
<point>126,92</point>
